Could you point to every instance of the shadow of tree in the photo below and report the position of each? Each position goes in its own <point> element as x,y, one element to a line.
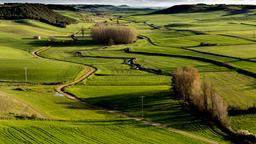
<point>159,107</point>
<point>63,43</point>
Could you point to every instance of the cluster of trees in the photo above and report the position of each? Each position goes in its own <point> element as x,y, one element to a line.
<point>34,11</point>
<point>188,87</point>
<point>114,34</point>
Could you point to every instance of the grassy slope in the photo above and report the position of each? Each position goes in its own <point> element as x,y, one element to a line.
<point>70,120</point>
<point>167,64</point>
<point>159,106</point>
<point>11,107</point>
<point>227,83</point>
<point>16,43</point>
<point>134,84</point>
<point>117,83</point>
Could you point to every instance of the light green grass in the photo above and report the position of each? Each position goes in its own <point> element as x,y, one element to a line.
<point>109,132</point>
<point>38,71</point>
<point>244,122</point>
<point>240,51</point>
<point>44,99</point>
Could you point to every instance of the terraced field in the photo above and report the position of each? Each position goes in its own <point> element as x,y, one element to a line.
<point>33,112</point>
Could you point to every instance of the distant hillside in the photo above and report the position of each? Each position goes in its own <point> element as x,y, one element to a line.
<point>110,8</point>
<point>233,9</point>
<point>61,7</point>
<point>34,11</point>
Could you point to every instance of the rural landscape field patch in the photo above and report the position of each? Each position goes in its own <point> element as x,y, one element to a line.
<point>108,74</point>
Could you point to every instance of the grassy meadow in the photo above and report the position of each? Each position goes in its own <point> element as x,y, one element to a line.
<point>32,112</point>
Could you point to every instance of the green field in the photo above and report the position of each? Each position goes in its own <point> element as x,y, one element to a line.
<point>32,112</point>
<point>239,51</point>
<point>114,131</point>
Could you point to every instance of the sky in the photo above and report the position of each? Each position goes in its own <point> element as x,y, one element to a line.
<point>137,3</point>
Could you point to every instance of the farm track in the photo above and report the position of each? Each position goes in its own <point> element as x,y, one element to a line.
<point>91,70</point>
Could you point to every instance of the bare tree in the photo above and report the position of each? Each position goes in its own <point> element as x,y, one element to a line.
<point>119,34</point>
<point>187,86</point>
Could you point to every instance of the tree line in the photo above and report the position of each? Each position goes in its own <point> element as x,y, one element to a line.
<point>201,96</point>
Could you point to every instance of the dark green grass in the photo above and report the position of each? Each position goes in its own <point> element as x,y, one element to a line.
<point>244,122</point>
<point>159,106</point>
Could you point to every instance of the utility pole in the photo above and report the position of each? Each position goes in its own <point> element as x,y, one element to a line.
<point>142,107</point>
<point>26,74</point>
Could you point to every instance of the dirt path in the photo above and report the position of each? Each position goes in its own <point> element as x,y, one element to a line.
<point>89,71</point>
<point>86,72</point>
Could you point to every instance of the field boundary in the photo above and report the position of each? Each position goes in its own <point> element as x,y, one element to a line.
<point>219,63</point>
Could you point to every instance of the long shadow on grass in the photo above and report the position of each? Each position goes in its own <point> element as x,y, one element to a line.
<point>104,122</point>
<point>158,107</point>
<point>69,43</point>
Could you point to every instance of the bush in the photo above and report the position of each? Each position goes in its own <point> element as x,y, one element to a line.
<point>114,34</point>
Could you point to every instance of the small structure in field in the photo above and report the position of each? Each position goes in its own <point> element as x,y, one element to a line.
<point>207,44</point>
<point>131,61</point>
<point>127,50</point>
<point>37,37</point>
<point>136,66</point>
<point>78,54</point>
<point>52,39</point>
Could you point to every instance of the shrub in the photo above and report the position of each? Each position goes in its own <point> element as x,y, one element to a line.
<point>114,34</point>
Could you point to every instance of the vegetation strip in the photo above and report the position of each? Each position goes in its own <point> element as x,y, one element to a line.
<point>239,70</point>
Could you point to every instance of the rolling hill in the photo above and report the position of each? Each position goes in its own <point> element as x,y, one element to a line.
<point>232,9</point>
<point>34,11</point>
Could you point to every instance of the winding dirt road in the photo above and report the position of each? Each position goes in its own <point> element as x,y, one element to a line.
<point>89,71</point>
